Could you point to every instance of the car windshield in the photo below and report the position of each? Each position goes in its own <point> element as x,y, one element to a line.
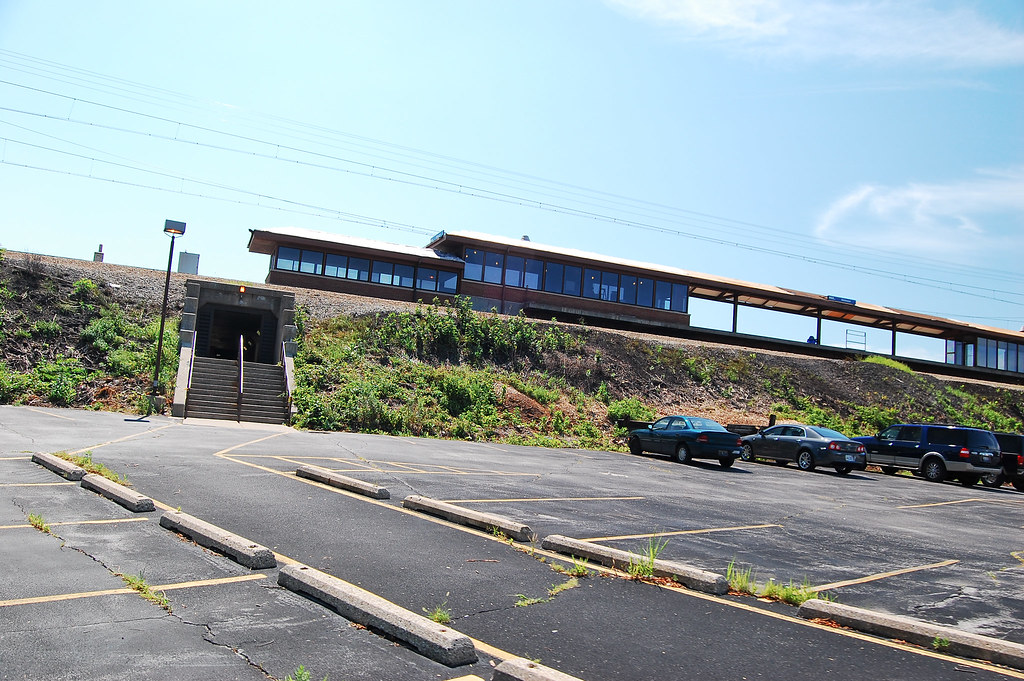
<point>705,424</point>
<point>828,433</point>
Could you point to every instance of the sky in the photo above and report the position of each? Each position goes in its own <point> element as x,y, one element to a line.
<point>868,149</point>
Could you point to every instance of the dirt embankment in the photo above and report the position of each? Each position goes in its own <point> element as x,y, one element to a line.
<point>727,383</point>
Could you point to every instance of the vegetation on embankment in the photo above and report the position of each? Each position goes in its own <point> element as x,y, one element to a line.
<point>69,337</point>
<point>71,343</point>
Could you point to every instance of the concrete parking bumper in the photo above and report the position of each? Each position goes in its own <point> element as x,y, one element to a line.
<point>65,469</point>
<point>520,669</point>
<point>239,549</point>
<point>436,641</point>
<point>465,516</point>
<point>130,499</point>
<point>689,576</point>
<point>333,479</point>
<point>925,634</point>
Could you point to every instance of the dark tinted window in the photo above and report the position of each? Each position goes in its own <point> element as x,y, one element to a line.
<point>553,278</point>
<point>591,283</point>
<point>312,262</point>
<point>890,433</point>
<point>287,259</point>
<point>910,433</point>
<point>359,268</point>
<point>382,272</point>
<point>1008,442</point>
<point>981,439</point>
<point>645,292</point>
<point>494,263</point>
<point>662,295</point>
<point>426,279</point>
<point>403,276</point>
<point>627,289</point>
<point>573,275</point>
<point>474,264</point>
<point>514,270</point>
<point>336,265</point>
<point>447,282</point>
<point>947,436</point>
<point>534,271</point>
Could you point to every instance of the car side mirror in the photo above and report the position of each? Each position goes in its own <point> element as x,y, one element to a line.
<point>650,426</point>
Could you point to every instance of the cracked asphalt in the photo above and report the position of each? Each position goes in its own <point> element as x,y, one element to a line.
<point>954,554</point>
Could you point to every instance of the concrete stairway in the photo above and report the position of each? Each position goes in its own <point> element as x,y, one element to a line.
<point>214,392</point>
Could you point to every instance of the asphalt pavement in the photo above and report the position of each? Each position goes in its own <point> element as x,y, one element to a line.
<point>943,553</point>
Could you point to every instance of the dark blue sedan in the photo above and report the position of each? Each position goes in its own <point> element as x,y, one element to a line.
<point>685,438</point>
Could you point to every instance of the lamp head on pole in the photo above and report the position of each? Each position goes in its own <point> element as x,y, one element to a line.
<point>173,228</point>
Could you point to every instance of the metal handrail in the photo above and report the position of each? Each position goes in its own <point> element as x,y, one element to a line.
<point>191,363</point>
<point>241,375</point>
<point>284,368</point>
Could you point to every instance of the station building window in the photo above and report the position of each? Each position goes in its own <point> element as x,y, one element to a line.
<point>573,280</point>
<point>363,269</point>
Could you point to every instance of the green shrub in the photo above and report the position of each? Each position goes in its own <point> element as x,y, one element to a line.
<point>44,329</point>
<point>84,289</point>
<point>630,408</point>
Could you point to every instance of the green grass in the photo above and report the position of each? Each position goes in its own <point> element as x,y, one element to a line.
<point>579,568</point>
<point>37,522</point>
<point>888,362</point>
<point>741,580</point>
<point>300,674</point>
<point>940,644</point>
<point>85,461</point>
<point>642,565</point>
<point>138,584</point>
<point>790,593</point>
<point>440,613</point>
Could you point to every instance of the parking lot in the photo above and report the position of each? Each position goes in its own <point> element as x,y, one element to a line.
<point>938,552</point>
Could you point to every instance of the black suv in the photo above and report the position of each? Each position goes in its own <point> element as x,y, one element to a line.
<point>1012,446</point>
<point>935,451</point>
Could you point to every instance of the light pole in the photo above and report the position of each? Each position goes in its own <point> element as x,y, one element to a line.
<point>173,229</point>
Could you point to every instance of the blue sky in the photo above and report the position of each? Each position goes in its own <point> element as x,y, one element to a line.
<point>872,150</point>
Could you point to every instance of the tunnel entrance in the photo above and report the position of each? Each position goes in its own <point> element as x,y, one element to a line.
<point>219,327</point>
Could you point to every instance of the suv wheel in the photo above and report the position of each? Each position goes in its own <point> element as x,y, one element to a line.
<point>993,480</point>
<point>933,470</point>
<point>805,461</point>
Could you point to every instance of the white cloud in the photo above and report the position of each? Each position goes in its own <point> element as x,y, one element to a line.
<point>937,219</point>
<point>868,29</point>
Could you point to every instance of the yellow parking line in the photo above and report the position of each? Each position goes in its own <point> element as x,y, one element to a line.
<point>1019,555</point>
<point>883,575</point>
<point>120,439</point>
<point>499,501</point>
<point>34,484</point>
<point>678,532</point>
<point>694,594</point>
<point>110,592</point>
<point>15,458</point>
<point>967,501</point>
<point>46,413</point>
<point>80,522</point>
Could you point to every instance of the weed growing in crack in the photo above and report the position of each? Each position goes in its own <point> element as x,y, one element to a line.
<point>556,589</point>
<point>740,580</point>
<point>940,644</point>
<point>138,583</point>
<point>37,522</point>
<point>791,593</point>
<point>300,674</point>
<point>440,613</point>
<point>641,566</point>
<point>580,567</point>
